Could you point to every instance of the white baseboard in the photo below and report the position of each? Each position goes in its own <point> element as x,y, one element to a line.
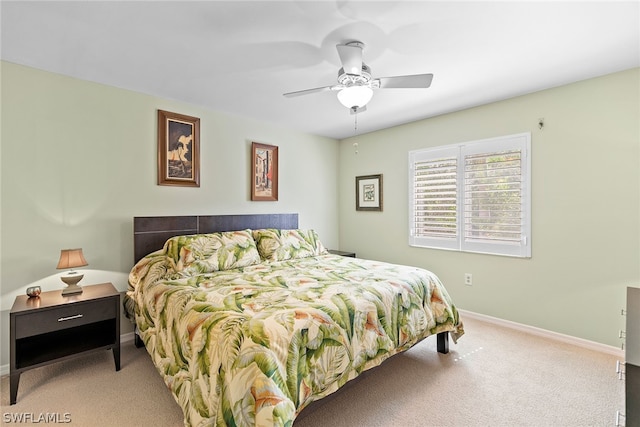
<point>580,342</point>
<point>4,369</point>
<point>126,337</point>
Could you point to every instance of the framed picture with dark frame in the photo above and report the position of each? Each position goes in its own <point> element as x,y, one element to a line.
<point>369,193</point>
<point>178,149</point>
<point>264,172</point>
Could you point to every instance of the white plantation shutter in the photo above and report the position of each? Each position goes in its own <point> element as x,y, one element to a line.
<point>434,198</point>
<point>472,197</point>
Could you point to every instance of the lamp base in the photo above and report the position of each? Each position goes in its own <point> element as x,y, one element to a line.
<point>72,289</point>
<point>72,280</point>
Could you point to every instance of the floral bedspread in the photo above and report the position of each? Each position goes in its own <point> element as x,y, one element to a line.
<point>255,345</point>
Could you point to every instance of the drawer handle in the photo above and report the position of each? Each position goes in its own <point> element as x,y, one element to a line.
<point>622,334</point>
<point>64,319</point>
<point>618,416</point>
<point>623,312</point>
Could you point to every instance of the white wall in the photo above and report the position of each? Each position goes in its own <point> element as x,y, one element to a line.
<point>79,162</point>
<point>585,197</point>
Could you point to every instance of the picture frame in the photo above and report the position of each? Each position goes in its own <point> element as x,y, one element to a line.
<point>369,193</point>
<point>264,172</point>
<point>178,149</point>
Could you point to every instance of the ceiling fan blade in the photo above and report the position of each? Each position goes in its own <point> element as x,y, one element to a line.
<point>400,82</point>
<point>351,57</point>
<point>314,90</point>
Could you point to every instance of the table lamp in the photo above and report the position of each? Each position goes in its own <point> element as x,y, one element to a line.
<point>71,258</point>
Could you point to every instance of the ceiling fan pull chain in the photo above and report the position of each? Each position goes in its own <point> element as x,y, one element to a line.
<point>355,124</point>
<point>355,128</point>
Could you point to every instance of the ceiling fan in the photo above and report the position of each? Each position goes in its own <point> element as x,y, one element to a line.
<point>355,84</point>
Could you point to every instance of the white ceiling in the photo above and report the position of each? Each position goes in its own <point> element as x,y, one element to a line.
<point>239,57</point>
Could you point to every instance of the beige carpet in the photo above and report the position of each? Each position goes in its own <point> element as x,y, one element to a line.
<point>493,377</point>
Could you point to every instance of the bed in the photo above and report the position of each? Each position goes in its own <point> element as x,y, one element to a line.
<point>249,319</point>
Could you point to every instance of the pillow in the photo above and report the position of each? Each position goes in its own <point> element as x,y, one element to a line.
<point>206,253</point>
<point>281,245</point>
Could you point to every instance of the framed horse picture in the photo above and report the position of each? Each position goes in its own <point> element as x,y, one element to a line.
<point>178,149</point>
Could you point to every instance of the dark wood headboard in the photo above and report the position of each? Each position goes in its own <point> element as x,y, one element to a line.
<point>151,232</point>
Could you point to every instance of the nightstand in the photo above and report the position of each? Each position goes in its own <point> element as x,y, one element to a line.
<point>342,253</point>
<point>52,328</point>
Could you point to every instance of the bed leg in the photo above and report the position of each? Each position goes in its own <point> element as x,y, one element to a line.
<point>137,341</point>
<point>443,342</point>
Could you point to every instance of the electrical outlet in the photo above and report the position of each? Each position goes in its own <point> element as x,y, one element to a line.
<point>468,279</point>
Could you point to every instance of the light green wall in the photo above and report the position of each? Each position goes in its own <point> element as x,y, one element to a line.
<point>585,198</point>
<point>79,162</point>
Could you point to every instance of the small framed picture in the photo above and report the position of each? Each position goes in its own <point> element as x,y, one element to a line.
<point>264,172</point>
<point>369,193</point>
<point>178,149</point>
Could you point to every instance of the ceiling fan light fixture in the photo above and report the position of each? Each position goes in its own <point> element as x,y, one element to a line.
<point>355,96</point>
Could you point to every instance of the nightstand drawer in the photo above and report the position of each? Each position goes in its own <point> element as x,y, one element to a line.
<point>68,316</point>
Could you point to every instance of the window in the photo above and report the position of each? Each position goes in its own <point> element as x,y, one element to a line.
<point>472,197</point>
